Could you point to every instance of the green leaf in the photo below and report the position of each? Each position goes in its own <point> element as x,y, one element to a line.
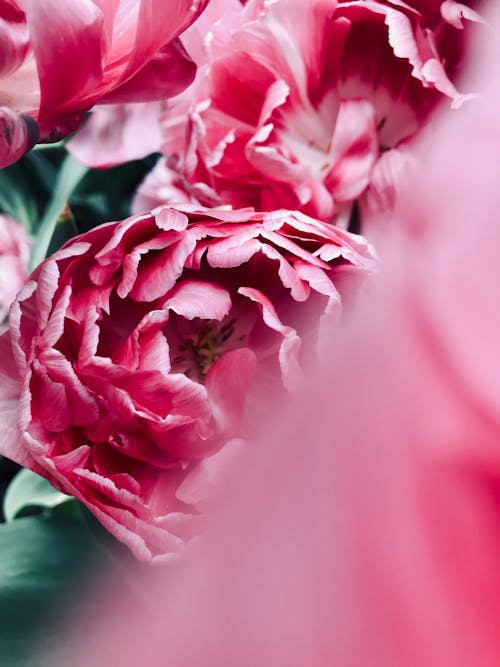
<point>64,230</point>
<point>47,566</point>
<point>70,174</point>
<point>28,491</point>
<point>27,185</point>
<point>105,194</point>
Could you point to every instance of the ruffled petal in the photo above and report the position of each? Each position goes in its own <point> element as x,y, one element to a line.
<point>456,12</point>
<point>228,382</point>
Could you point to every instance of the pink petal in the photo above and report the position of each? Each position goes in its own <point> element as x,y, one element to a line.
<point>20,331</point>
<point>194,298</point>
<point>90,337</point>
<point>83,406</point>
<point>18,134</point>
<point>146,348</point>
<point>235,249</point>
<point>434,72</point>
<point>453,12</point>
<point>166,74</point>
<point>48,279</point>
<point>194,38</point>
<point>109,489</point>
<point>271,161</point>
<point>161,186</point>
<point>228,382</point>
<point>66,40</point>
<point>11,442</point>
<point>289,349</point>
<point>184,439</point>
<point>49,401</point>
<point>114,134</point>
<point>390,177</point>
<point>14,42</point>
<point>109,9</point>
<point>147,542</point>
<point>65,464</point>
<point>170,219</point>
<point>154,352</point>
<point>211,477</point>
<point>288,276</point>
<point>156,23</point>
<point>55,325</point>
<point>158,274</point>
<point>354,150</point>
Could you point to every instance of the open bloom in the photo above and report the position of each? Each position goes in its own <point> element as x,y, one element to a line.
<point>295,103</point>
<point>58,59</point>
<point>14,257</point>
<point>136,353</point>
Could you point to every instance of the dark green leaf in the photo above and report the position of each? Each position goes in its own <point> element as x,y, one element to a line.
<point>47,564</point>
<point>28,491</point>
<point>104,195</point>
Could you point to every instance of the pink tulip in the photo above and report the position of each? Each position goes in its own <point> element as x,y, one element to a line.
<point>14,256</point>
<point>294,104</point>
<point>136,354</point>
<point>59,59</point>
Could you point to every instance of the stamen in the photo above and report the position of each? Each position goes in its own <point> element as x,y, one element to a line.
<point>203,343</point>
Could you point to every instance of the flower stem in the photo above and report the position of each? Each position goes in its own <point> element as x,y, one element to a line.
<point>70,174</point>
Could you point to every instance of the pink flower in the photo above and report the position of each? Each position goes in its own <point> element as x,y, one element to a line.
<point>135,352</point>
<point>59,59</point>
<point>295,103</point>
<point>14,257</point>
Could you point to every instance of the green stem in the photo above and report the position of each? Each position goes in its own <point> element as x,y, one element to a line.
<point>70,174</point>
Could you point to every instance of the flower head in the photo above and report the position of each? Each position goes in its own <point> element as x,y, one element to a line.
<point>140,347</point>
<point>295,103</point>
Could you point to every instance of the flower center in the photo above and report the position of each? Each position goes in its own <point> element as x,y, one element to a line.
<point>307,132</point>
<point>197,350</point>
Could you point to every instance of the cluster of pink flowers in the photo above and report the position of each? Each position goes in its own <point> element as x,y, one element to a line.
<point>301,105</point>
<point>136,355</point>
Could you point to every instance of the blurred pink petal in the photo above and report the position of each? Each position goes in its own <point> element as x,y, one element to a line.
<point>115,133</point>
